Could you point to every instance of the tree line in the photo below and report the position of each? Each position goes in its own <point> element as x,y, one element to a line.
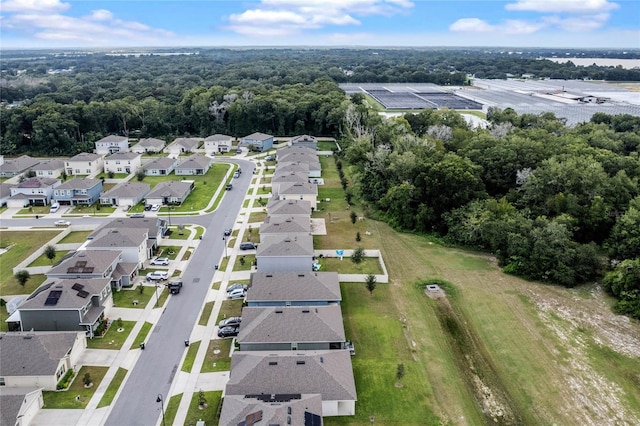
<point>553,203</point>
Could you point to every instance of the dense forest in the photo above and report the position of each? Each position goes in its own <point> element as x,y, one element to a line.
<point>553,203</point>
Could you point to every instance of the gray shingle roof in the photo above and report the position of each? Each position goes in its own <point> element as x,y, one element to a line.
<point>19,164</point>
<point>295,177</point>
<point>128,189</point>
<point>119,237</point>
<point>294,286</point>
<point>286,225</point>
<point>257,136</point>
<point>162,163</point>
<point>194,162</point>
<point>291,324</point>
<point>36,182</point>
<point>218,138</point>
<point>187,143</point>
<point>288,207</point>
<point>85,156</point>
<point>293,167</point>
<point>237,409</point>
<point>303,138</point>
<point>123,156</point>
<point>96,260</point>
<point>69,298</point>
<point>300,245</point>
<point>52,164</point>
<point>80,183</point>
<point>288,188</point>
<point>328,373</point>
<point>151,143</point>
<point>33,354</point>
<point>148,223</point>
<point>295,150</point>
<point>10,403</point>
<point>113,138</point>
<point>172,188</point>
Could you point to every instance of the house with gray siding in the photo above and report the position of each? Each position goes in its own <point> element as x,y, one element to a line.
<point>295,328</point>
<point>182,145</point>
<point>194,165</point>
<point>148,145</point>
<point>288,208</point>
<point>39,359</point>
<point>285,253</point>
<point>292,409</point>
<point>130,242</point>
<point>52,168</point>
<point>74,304</point>
<point>155,227</point>
<point>112,144</point>
<point>86,264</point>
<point>305,141</point>
<point>327,373</point>
<point>19,406</point>
<point>35,191</point>
<point>292,226</point>
<point>299,288</point>
<point>15,166</point>
<point>78,191</point>
<point>160,166</point>
<point>125,194</point>
<point>257,141</point>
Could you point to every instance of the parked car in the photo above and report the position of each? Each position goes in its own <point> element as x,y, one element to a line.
<point>163,261</point>
<point>62,222</point>
<point>157,276</point>
<point>231,321</point>
<point>247,246</point>
<point>236,175</point>
<point>237,286</point>
<point>147,207</point>
<point>228,232</point>
<point>138,215</point>
<point>228,187</point>
<point>238,151</point>
<point>269,158</point>
<point>174,287</point>
<point>155,208</point>
<point>228,331</point>
<point>238,293</point>
<point>54,207</point>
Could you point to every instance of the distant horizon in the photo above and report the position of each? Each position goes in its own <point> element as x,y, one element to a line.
<point>554,24</point>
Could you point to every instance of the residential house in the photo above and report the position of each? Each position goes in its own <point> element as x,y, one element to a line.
<point>305,141</point>
<point>182,145</point>
<point>16,166</point>
<point>78,191</point>
<point>88,264</point>
<point>19,406</point>
<point>33,191</point>
<point>148,146</point>
<point>67,305</point>
<point>84,164</point>
<point>295,328</point>
<point>218,143</point>
<point>194,165</point>
<point>286,177</point>
<point>38,359</point>
<point>160,166</point>
<point>257,142</point>
<point>171,192</point>
<point>298,151</point>
<point>288,208</point>
<point>155,227</point>
<point>328,373</point>
<point>293,167</point>
<point>122,162</point>
<point>297,288</point>
<point>130,242</point>
<point>285,253</point>
<point>299,191</point>
<point>125,194</point>
<point>5,193</point>
<point>292,226</point>
<point>289,409</point>
<point>112,144</point>
<point>314,169</point>
<point>52,168</point>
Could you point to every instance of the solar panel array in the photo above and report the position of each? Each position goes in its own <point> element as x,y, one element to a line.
<point>52,299</point>
<point>400,100</point>
<point>449,100</point>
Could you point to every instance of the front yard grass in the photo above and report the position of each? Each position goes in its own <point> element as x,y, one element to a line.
<point>125,297</point>
<point>229,308</point>
<point>190,358</point>
<point>67,399</point>
<point>209,414</point>
<point>75,237</point>
<point>369,265</point>
<point>248,260</point>
<point>217,356</point>
<point>206,313</point>
<point>42,260</point>
<point>96,208</point>
<point>142,335</point>
<point>257,217</point>
<point>112,339</point>
<point>171,408</point>
<point>113,387</point>
<point>169,251</point>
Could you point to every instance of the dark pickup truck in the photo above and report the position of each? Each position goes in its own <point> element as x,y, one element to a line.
<point>174,287</point>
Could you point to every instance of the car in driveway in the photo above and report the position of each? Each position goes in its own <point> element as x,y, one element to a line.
<point>247,245</point>
<point>157,276</point>
<point>269,158</point>
<point>230,322</point>
<point>155,208</point>
<point>228,331</point>
<point>147,207</point>
<point>162,261</point>
<point>62,222</point>
<point>236,286</point>
<point>238,293</point>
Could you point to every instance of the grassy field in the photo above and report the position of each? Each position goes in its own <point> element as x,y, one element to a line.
<point>113,387</point>
<point>42,260</point>
<point>112,339</point>
<point>75,237</point>
<point>67,399</point>
<point>3,316</point>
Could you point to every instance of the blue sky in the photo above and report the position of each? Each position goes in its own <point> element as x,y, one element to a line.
<point>124,23</point>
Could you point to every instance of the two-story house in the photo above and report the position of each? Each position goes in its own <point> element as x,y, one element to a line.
<point>285,253</point>
<point>305,141</point>
<point>112,144</point>
<point>258,141</point>
<point>292,226</point>
<point>155,227</point>
<point>122,162</point>
<point>295,288</point>
<point>78,191</point>
<point>84,163</point>
<point>218,143</point>
<point>288,208</point>
<point>15,166</point>
<point>130,242</point>
<point>299,191</point>
<point>34,191</point>
<point>125,194</point>
<point>52,168</point>
<point>295,409</point>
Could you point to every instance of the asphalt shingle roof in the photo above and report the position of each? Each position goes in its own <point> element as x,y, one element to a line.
<point>96,260</point>
<point>290,188</point>
<point>194,162</point>
<point>172,188</point>
<point>294,286</point>
<point>257,136</point>
<point>162,163</point>
<point>18,164</point>
<point>237,409</point>
<point>127,189</point>
<point>79,183</point>
<point>85,156</point>
<point>300,245</point>
<point>69,298</point>
<point>286,225</point>
<point>288,207</point>
<point>119,237</point>
<point>33,354</point>
<point>123,156</point>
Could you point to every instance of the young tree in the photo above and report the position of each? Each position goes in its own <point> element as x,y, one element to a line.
<point>22,277</point>
<point>370,282</point>
<point>354,217</point>
<point>140,174</point>
<point>358,256</point>
<point>87,379</point>
<point>50,252</point>
<point>358,237</point>
<point>202,401</point>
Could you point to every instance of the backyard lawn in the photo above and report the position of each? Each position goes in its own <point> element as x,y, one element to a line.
<point>42,260</point>
<point>75,237</point>
<point>369,265</point>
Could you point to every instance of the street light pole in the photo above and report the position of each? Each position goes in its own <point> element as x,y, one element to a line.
<point>160,400</point>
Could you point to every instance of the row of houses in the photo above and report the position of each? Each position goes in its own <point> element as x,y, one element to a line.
<point>293,365</point>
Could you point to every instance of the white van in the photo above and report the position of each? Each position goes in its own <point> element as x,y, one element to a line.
<point>54,208</point>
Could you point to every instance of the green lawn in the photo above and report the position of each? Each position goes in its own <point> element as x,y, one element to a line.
<point>217,357</point>
<point>23,244</point>
<point>3,316</point>
<point>326,145</point>
<point>125,297</point>
<point>248,260</point>
<point>142,335</point>
<point>39,210</point>
<point>257,217</point>
<point>369,265</point>
<point>95,208</point>
<point>112,339</point>
<point>75,237</point>
<point>115,176</point>
<point>206,313</point>
<point>67,399</point>
<point>189,359</point>
<point>113,387</point>
<point>169,251</point>
<point>178,234</point>
<point>209,414</point>
<point>42,260</point>
<point>171,408</point>
<point>229,308</point>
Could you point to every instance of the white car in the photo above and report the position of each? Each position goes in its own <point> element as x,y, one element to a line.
<point>62,222</point>
<point>157,276</point>
<point>163,261</point>
<point>155,208</point>
<point>238,293</point>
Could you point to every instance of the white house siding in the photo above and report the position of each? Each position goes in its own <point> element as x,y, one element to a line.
<point>338,408</point>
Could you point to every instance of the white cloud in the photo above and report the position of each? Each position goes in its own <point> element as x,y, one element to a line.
<point>287,17</point>
<point>475,25</point>
<point>578,23</point>
<point>33,6</point>
<point>101,15</point>
<point>567,6</point>
<point>471,25</point>
<point>513,26</point>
